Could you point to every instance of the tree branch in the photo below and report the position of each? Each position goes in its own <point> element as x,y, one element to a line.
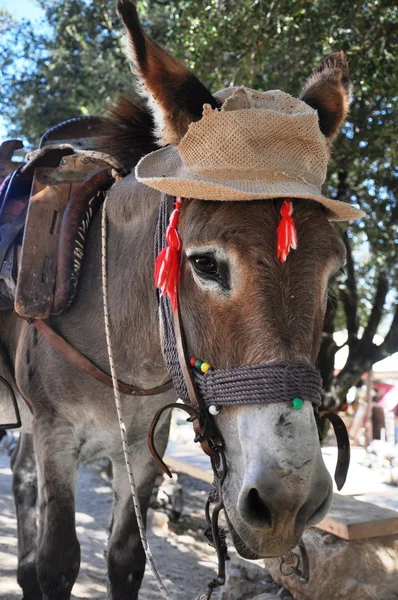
<point>377,310</point>
<point>390,344</point>
<point>364,356</point>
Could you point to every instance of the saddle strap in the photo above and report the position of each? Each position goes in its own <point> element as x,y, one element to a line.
<point>78,360</point>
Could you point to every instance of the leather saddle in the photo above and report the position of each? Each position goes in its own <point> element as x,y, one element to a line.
<point>46,207</point>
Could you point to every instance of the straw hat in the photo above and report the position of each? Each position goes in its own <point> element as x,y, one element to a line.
<point>258,145</point>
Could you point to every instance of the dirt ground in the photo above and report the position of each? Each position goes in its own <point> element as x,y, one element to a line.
<point>182,555</point>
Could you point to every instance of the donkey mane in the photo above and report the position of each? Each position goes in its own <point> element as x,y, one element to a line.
<point>128,134</point>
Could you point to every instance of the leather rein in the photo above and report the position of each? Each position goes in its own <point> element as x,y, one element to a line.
<point>83,364</point>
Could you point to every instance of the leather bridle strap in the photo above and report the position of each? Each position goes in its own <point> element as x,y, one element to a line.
<point>83,364</point>
<point>204,427</point>
<point>210,438</point>
<point>206,431</point>
<point>343,445</point>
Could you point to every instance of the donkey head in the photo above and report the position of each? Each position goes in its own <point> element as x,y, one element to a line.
<point>241,306</point>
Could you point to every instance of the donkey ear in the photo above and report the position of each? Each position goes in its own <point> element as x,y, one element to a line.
<point>176,96</point>
<point>328,91</point>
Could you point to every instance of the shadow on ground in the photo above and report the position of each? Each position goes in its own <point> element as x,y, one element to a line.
<point>184,559</point>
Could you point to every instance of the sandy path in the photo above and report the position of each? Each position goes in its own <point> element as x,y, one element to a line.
<point>184,560</point>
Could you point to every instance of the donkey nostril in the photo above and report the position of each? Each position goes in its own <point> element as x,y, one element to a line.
<point>308,515</point>
<point>320,512</point>
<point>257,511</point>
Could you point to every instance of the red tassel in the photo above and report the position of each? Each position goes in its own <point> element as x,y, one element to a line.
<point>167,267</point>
<point>286,233</point>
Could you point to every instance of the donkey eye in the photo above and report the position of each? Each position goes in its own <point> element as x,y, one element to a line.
<point>210,269</point>
<point>205,264</point>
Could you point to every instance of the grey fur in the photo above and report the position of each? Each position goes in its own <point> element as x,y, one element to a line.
<point>74,416</point>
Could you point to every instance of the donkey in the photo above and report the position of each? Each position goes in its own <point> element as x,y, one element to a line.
<point>240,306</point>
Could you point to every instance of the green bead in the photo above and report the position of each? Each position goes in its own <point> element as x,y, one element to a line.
<point>198,363</point>
<point>297,403</point>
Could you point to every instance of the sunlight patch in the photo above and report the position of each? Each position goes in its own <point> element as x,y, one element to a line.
<point>84,518</point>
<point>103,490</point>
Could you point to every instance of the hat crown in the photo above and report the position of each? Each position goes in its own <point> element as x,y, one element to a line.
<point>267,135</point>
<point>258,145</point>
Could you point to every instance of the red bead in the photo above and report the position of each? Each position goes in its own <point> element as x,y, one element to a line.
<point>192,361</point>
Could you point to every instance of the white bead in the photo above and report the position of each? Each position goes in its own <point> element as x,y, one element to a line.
<point>214,409</point>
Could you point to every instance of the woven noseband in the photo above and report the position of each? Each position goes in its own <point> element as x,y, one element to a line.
<point>265,383</point>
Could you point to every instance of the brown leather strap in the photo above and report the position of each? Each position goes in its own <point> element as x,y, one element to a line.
<point>181,351</point>
<point>193,415</point>
<point>74,213</point>
<point>343,444</point>
<point>194,398</point>
<point>78,360</point>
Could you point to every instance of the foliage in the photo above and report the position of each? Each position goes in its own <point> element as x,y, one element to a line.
<point>70,65</point>
<point>74,64</point>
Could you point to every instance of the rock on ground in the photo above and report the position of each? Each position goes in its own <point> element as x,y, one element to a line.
<point>341,570</point>
<point>250,581</point>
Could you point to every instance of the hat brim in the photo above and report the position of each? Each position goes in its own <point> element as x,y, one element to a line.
<point>164,171</point>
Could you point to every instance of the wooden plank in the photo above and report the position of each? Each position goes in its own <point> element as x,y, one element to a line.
<point>352,519</point>
<point>347,518</point>
<point>182,467</point>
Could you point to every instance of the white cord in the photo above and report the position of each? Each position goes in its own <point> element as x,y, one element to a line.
<point>123,434</point>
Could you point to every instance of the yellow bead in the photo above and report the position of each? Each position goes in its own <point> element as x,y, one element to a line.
<point>205,367</point>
